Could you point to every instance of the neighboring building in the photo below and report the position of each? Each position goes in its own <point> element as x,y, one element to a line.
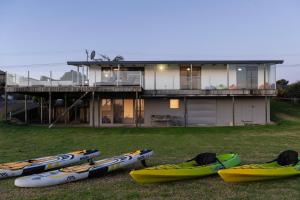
<point>161,93</point>
<point>2,78</point>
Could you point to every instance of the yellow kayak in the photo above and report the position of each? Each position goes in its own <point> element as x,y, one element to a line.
<point>259,172</point>
<point>185,170</point>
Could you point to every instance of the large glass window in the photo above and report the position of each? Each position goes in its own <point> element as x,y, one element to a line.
<point>106,107</point>
<point>190,77</point>
<point>141,110</point>
<point>247,77</point>
<point>122,111</point>
<point>118,111</point>
<point>128,111</point>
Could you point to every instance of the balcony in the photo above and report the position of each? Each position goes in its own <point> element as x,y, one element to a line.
<point>121,81</point>
<point>214,92</point>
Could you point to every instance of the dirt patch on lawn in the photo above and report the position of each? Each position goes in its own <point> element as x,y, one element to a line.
<point>287,117</point>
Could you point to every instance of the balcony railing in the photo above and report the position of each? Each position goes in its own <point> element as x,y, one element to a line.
<point>120,78</point>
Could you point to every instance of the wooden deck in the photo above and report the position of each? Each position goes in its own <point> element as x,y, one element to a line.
<point>145,93</point>
<point>41,89</point>
<point>182,93</point>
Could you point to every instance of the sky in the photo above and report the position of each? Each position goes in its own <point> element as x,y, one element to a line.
<point>41,36</point>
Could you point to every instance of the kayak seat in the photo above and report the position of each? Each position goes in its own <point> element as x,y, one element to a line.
<point>205,158</point>
<point>288,157</point>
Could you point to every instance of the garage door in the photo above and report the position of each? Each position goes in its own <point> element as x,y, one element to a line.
<point>201,111</point>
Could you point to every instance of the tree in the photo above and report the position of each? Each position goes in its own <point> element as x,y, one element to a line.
<point>293,90</point>
<point>281,86</point>
<point>118,58</point>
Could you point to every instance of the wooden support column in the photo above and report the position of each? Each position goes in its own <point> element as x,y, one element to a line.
<point>66,107</point>
<point>233,111</point>
<point>99,111</point>
<point>118,75</point>
<point>264,76</point>
<point>191,81</point>
<point>25,109</point>
<point>154,77</point>
<point>227,76</point>
<point>93,109</point>
<point>140,111</point>
<point>77,75</point>
<point>41,107</point>
<point>135,109</point>
<point>266,110</point>
<point>50,108</point>
<point>185,112</point>
<point>5,105</point>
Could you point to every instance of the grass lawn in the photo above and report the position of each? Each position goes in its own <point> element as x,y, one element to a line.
<point>171,145</point>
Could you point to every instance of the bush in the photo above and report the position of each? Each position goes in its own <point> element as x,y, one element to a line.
<point>293,90</point>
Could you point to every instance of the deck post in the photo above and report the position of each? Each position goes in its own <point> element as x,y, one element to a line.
<point>155,77</point>
<point>135,108</point>
<point>41,107</point>
<point>50,108</point>
<point>185,111</point>
<point>25,109</point>
<point>99,111</point>
<point>140,112</point>
<point>28,78</point>
<point>50,78</point>
<point>266,109</point>
<point>5,104</point>
<point>66,106</point>
<point>93,109</point>
<point>264,76</point>
<point>233,111</point>
<point>118,75</point>
<point>83,77</point>
<point>227,76</point>
<point>191,81</point>
<point>77,75</point>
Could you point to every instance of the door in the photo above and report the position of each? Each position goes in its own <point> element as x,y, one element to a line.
<point>190,78</point>
<point>202,111</point>
<point>247,77</point>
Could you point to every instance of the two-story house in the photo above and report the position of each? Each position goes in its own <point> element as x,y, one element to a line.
<point>165,93</point>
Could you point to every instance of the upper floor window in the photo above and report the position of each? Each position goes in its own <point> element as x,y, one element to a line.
<point>247,77</point>
<point>190,77</point>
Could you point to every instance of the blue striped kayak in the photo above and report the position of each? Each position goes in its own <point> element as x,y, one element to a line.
<point>38,165</point>
<point>83,171</point>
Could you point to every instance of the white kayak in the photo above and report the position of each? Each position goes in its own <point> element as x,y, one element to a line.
<point>38,165</point>
<point>83,171</point>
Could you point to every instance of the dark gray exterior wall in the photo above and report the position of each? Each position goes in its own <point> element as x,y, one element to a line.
<point>212,111</point>
<point>161,106</point>
<point>204,111</point>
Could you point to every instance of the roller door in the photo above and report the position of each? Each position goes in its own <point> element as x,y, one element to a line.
<point>202,111</point>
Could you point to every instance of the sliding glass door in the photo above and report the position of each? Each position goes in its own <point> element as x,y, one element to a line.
<point>121,111</point>
<point>190,77</point>
<point>247,77</point>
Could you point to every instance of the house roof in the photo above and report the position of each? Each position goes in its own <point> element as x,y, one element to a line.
<point>214,62</point>
<point>2,72</point>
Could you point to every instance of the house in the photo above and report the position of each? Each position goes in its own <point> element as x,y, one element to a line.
<point>158,93</point>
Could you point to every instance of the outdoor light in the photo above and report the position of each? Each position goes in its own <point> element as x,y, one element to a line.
<point>188,69</point>
<point>240,69</point>
<point>161,67</point>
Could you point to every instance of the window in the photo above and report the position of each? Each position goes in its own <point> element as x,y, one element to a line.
<point>106,111</point>
<point>174,103</point>
<point>190,77</point>
<point>247,77</point>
